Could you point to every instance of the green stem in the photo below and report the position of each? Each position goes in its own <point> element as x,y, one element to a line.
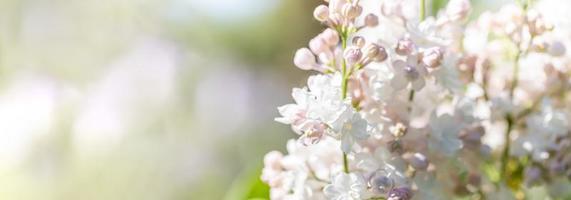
<point>344,82</point>
<point>485,83</point>
<point>410,99</point>
<point>515,74</point>
<point>506,151</point>
<point>511,118</point>
<point>345,163</point>
<point>422,10</point>
<point>344,68</point>
<point>411,95</point>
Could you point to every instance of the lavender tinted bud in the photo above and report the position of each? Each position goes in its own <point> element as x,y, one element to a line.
<point>358,41</point>
<point>304,59</point>
<point>417,161</point>
<point>351,11</point>
<point>381,183</point>
<point>556,48</point>
<point>411,73</point>
<point>432,57</point>
<point>353,55</point>
<point>330,36</point>
<point>371,20</point>
<point>400,193</point>
<point>404,46</point>
<point>376,52</point>
<point>321,13</point>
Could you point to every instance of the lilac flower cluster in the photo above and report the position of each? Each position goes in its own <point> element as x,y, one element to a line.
<point>405,106</point>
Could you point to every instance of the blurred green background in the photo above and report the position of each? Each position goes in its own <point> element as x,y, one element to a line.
<point>145,99</point>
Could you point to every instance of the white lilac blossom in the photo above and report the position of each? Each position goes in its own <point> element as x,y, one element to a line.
<point>444,134</point>
<point>346,187</point>
<point>408,73</point>
<point>352,130</point>
<point>408,106</point>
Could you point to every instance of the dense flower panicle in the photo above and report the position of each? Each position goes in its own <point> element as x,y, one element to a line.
<point>405,106</point>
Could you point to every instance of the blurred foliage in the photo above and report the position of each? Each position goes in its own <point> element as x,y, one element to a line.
<point>266,40</point>
<point>248,186</point>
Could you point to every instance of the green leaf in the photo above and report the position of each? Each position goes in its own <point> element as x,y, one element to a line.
<point>248,186</point>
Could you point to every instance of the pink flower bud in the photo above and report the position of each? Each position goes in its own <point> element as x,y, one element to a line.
<point>336,6</point>
<point>432,57</point>
<point>304,59</point>
<point>371,20</point>
<point>318,45</point>
<point>330,36</point>
<point>353,55</point>
<point>376,53</point>
<point>272,159</point>
<point>405,46</point>
<point>351,11</point>
<point>358,41</point>
<point>321,13</point>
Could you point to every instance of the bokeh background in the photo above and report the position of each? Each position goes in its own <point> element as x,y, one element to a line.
<point>145,99</point>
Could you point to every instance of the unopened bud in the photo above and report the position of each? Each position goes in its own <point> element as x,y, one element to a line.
<point>335,7</point>
<point>304,59</point>
<point>432,57</point>
<point>376,53</point>
<point>358,41</point>
<point>417,161</point>
<point>330,36</point>
<point>318,45</point>
<point>371,20</point>
<point>353,55</point>
<point>556,48</point>
<point>351,11</point>
<point>321,13</point>
<point>381,183</point>
<point>400,193</point>
<point>411,73</point>
<point>273,159</point>
<point>405,46</point>
<point>536,23</point>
